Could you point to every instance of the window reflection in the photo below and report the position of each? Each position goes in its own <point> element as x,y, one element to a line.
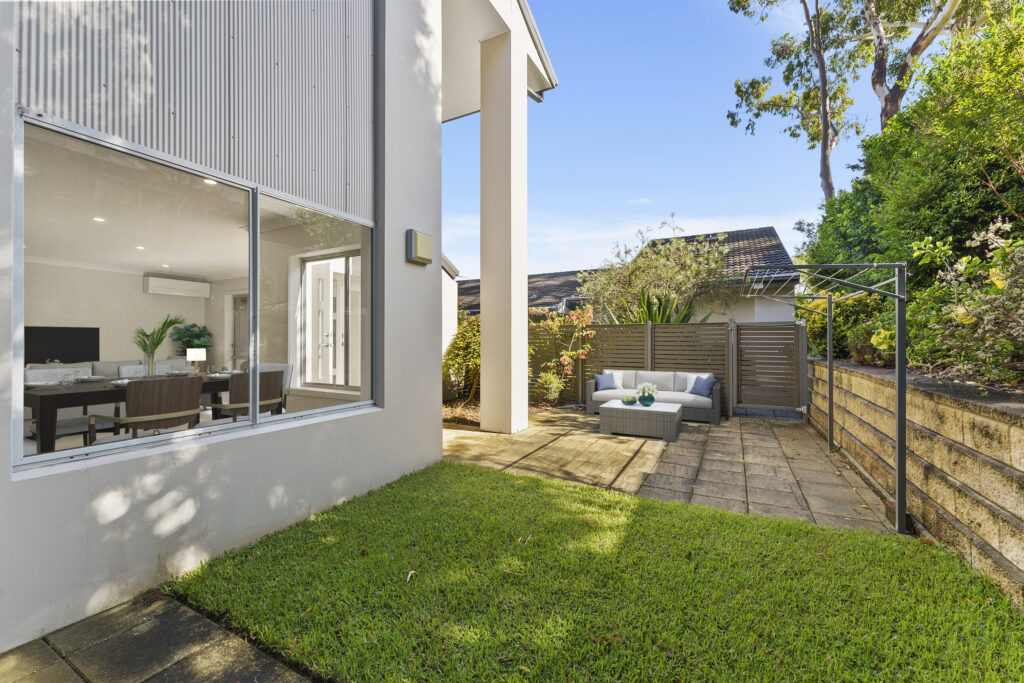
<point>115,246</point>
<point>315,304</point>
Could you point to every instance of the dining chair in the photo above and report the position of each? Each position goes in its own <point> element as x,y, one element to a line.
<point>153,406</point>
<point>286,382</point>
<point>271,395</point>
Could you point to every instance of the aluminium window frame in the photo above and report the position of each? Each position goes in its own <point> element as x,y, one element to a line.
<point>347,254</point>
<point>19,461</point>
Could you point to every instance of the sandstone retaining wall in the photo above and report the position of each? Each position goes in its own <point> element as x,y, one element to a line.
<point>965,463</point>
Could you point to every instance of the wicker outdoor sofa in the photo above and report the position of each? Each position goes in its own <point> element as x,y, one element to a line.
<point>673,387</point>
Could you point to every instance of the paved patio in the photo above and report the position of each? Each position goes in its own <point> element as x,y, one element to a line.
<point>746,464</point>
<point>152,638</point>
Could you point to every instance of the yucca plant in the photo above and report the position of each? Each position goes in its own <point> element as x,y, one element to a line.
<point>651,308</point>
<point>149,342</point>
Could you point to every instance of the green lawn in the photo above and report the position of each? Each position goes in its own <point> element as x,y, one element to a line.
<point>523,578</point>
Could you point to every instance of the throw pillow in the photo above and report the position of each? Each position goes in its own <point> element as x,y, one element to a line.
<point>605,381</point>
<point>702,386</point>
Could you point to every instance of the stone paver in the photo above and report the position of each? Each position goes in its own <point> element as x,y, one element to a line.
<point>777,468</point>
<point>34,662</point>
<point>151,638</point>
<point>566,445</point>
<point>772,468</point>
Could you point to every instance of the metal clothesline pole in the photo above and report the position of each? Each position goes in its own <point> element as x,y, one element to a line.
<point>901,399</point>
<point>831,405</point>
<point>900,298</point>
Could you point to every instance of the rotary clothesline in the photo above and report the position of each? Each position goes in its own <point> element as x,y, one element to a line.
<point>833,283</point>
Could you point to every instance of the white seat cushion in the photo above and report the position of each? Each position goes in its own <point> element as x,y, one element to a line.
<point>687,400</point>
<point>55,374</point>
<point>108,368</point>
<point>662,380</point>
<point>173,365</point>
<point>612,394</point>
<point>680,397</point>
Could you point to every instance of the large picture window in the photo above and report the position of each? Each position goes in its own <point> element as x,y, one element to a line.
<point>137,303</point>
<point>315,303</point>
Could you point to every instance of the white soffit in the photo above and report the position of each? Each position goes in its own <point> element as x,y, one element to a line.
<point>465,24</point>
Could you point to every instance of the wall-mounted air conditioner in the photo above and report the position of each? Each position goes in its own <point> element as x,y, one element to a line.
<point>152,284</point>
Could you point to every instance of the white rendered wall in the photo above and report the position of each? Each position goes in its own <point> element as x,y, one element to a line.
<point>78,538</point>
<point>751,310</point>
<point>774,311</point>
<point>449,308</point>
<point>503,305</point>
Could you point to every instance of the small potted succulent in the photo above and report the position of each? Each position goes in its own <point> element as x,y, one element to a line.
<point>645,393</point>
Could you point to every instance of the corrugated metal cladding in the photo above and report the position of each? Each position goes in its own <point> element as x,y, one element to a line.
<point>279,93</point>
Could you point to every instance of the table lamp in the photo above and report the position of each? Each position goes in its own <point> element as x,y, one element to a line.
<point>195,355</point>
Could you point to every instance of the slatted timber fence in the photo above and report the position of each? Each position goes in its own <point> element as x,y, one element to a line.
<point>759,364</point>
<point>771,365</point>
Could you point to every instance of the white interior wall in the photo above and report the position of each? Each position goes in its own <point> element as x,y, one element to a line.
<point>79,537</point>
<point>220,320</point>
<point>63,296</point>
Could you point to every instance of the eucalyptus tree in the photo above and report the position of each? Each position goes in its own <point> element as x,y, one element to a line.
<point>840,40</point>
<point>817,69</point>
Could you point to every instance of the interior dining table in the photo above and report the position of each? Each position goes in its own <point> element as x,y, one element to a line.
<point>46,401</point>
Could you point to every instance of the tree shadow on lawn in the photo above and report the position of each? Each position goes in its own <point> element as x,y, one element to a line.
<point>520,577</point>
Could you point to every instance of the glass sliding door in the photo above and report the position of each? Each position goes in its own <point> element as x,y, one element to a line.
<point>314,307</point>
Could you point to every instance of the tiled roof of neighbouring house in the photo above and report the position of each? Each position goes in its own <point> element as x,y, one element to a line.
<point>753,247</point>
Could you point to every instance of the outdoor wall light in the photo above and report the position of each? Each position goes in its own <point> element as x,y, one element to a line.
<point>419,248</point>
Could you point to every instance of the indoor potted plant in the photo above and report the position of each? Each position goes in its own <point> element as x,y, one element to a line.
<point>645,393</point>
<point>191,336</point>
<point>149,342</point>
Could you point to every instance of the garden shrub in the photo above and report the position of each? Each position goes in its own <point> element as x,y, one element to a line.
<point>560,341</point>
<point>847,316</point>
<point>460,367</point>
<point>547,387</point>
<point>974,322</point>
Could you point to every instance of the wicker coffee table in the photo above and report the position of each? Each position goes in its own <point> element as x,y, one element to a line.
<point>659,420</point>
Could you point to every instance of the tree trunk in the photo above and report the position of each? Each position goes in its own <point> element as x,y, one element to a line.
<point>828,140</point>
<point>827,187</point>
<point>892,104</point>
<point>891,98</point>
<point>472,391</point>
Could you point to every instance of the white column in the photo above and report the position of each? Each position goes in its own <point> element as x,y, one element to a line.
<point>503,306</point>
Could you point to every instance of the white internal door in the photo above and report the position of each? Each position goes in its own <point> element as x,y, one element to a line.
<point>319,323</point>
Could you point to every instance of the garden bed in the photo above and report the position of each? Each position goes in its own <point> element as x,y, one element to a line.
<point>458,572</point>
<point>454,412</point>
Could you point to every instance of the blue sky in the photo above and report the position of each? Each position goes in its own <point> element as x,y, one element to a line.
<point>636,130</point>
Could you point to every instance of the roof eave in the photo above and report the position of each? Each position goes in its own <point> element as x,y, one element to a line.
<point>538,42</point>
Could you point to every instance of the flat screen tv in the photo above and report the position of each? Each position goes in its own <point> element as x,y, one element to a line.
<point>66,344</point>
